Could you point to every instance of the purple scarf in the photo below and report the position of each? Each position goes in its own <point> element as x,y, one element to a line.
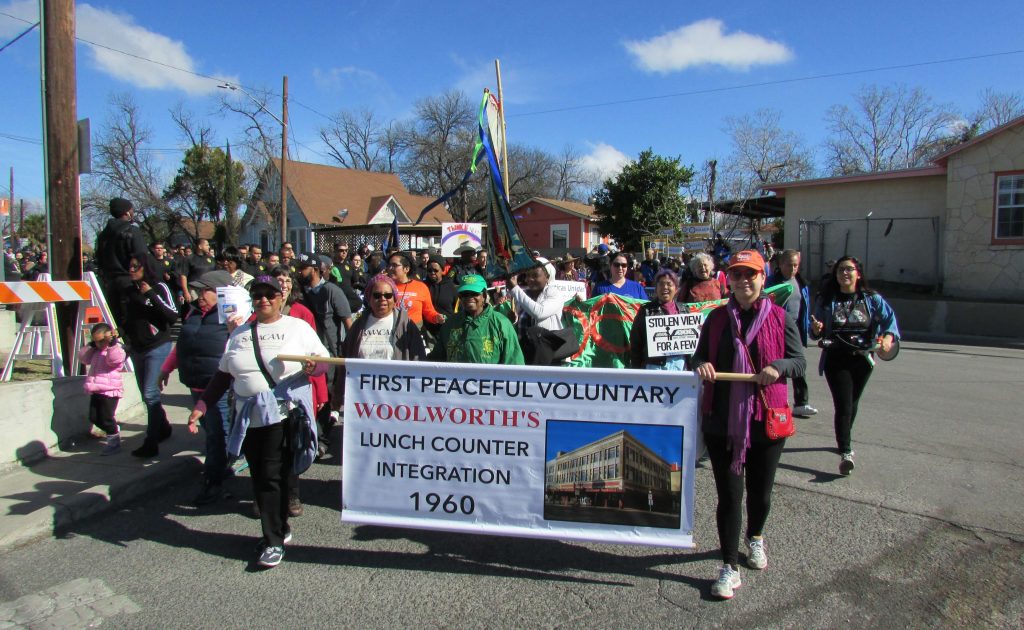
<point>742,396</point>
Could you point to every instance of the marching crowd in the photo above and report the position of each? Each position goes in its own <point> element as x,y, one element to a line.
<point>410,306</point>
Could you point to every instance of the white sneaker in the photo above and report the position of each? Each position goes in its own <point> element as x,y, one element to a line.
<point>804,411</point>
<point>728,581</point>
<point>846,464</point>
<point>757,558</point>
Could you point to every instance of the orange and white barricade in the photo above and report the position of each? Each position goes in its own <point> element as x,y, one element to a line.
<point>43,342</point>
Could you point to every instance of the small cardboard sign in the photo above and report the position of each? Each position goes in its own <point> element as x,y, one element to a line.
<point>673,335</point>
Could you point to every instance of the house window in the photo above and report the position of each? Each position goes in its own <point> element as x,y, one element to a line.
<point>1010,206</point>
<point>560,236</point>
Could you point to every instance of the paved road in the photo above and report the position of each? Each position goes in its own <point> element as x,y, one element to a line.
<point>929,532</point>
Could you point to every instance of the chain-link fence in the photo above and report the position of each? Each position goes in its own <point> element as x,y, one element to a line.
<point>902,252</point>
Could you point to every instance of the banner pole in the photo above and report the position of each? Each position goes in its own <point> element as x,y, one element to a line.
<point>504,140</point>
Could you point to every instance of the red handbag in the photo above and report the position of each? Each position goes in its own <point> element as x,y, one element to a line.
<point>778,421</point>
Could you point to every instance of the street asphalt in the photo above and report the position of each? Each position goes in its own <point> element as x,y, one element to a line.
<point>928,532</point>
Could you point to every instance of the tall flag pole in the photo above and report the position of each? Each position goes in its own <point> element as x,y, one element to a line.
<point>391,238</point>
<point>501,128</point>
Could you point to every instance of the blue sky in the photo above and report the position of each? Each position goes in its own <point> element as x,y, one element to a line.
<point>567,435</point>
<point>560,62</point>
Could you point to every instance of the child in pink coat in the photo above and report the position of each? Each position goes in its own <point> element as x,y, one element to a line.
<point>105,358</point>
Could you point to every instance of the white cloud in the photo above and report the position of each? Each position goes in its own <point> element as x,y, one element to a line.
<point>705,43</point>
<point>119,31</point>
<point>604,161</point>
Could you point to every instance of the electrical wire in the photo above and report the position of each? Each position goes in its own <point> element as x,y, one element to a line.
<point>20,35</point>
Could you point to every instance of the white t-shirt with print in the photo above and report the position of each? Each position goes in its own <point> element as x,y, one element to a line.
<point>287,335</point>
<point>376,340</point>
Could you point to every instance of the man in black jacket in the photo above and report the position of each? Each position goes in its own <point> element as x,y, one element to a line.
<point>119,241</point>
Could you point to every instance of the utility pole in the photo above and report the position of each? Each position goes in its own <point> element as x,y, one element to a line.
<point>60,142</point>
<point>284,160</point>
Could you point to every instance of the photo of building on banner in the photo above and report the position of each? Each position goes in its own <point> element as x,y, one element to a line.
<point>598,455</point>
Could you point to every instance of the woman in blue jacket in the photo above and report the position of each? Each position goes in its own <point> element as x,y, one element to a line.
<point>852,318</point>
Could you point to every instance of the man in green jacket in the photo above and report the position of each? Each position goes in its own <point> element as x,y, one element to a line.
<point>477,333</point>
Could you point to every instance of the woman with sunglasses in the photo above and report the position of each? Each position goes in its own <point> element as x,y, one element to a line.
<point>751,335</point>
<point>382,332</point>
<point>852,317</point>
<point>262,410</point>
<point>617,281</point>
<point>150,312</point>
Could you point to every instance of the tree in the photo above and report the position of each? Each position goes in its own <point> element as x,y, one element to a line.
<point>571,179</point>
<point>441,141</point>
<point>34,228</point>
<point>997,108</point>
<point>361,141</point>
<point>762,153</point>
<point>643,199</point>
<point>124,167</point>
<point>887,128</point>
<point>199,189</point>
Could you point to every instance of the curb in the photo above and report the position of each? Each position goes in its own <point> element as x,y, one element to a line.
<point>71,510</point>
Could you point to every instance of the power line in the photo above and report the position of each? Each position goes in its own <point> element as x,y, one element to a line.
<point>813,77</point>
<point>20,35</point>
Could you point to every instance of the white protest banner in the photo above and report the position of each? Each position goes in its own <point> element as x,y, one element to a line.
<point>233,301</point>
<point>597,454</point>
<point>569,289</point>
<point>693,231</point>
<point>455,235</point>
<point>671,335</point>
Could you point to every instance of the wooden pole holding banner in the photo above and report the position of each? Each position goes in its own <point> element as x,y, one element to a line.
<point>302,358</point>
<point>501,117</point>
<point>734,377</point>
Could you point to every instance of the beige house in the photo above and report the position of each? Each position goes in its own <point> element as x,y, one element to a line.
<point>953,229</point>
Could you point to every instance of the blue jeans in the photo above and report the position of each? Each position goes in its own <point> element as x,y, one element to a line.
<point>147,375</point>
<point>216,424</point>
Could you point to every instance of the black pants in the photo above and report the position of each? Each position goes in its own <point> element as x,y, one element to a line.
<point>800,394</point>
<point>101,413</point>
<point>270,465</point>
<point>759,477</point>
<point>846,374</point>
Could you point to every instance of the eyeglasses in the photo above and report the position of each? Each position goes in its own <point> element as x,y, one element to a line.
<point>384,296</point>
<point>394,265</point>
<point>267,295</point>
<point>742,274</point>
<point>623,265</point>
<point>846,269</point>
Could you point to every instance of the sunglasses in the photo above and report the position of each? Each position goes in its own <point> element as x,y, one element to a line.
<point>385,296</point>
<point>623,265</point>
<point>744,274</point>
<point>267,295</point>
<point>470,294</point>
<point>134,267</point>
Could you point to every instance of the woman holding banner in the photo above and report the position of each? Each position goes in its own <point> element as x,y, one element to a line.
<point>749,335</point>
<point>851,317</point>
<point>666,286</point>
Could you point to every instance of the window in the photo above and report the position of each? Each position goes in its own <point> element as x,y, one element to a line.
<point>1009,217</point>
<point>560,236</point>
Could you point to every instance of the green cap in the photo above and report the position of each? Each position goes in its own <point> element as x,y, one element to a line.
<point>473,283</point>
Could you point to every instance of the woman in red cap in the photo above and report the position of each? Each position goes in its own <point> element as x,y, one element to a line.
<point>751,335</point>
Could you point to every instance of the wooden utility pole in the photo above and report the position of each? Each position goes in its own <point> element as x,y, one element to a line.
<point>284,160</point>
<point>60,142</point>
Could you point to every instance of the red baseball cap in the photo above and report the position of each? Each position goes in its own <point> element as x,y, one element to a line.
<point>749,258</point>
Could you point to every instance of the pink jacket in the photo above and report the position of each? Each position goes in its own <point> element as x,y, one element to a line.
<point>104,376</point>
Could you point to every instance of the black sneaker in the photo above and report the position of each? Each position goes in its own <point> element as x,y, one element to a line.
<point>271,557</point>
<point>262,543</point>
<point>148,449</point>
<point>211,493</point>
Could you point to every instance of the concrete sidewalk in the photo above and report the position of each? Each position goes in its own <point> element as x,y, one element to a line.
<point>77,482</point>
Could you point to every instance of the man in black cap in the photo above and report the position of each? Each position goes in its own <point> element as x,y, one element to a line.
<point>116,245</point>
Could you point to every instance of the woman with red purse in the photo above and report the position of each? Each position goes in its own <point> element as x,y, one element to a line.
<point>751,335</point>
